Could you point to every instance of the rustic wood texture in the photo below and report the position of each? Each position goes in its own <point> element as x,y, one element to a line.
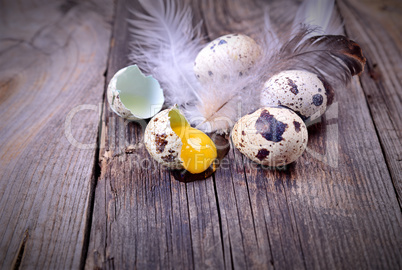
<point>378,26</point>
<point>336,207</point>
<point>53,56</point>
<point>67,204</point>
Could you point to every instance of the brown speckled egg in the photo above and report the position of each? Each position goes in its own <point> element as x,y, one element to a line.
<point>162,142</point>
<point>303,92</point>
<point>230,55</point>
<point>272,136</point>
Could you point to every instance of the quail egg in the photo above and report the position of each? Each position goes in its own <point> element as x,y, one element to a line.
<point>172,142</point>
<point>132,95</point>
<point>305,93</point>
<point>272,136</point>
<point>226,56</point>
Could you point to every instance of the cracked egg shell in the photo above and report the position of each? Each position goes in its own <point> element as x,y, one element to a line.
<point>132,95</point>
<point>304,92</point>
<point>271,136</point>
<point>226,56</point>
<point>162,143</point>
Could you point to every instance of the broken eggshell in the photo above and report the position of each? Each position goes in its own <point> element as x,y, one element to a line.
<point>132,95</point>
<point>271,136</point>
<point>172,142</point>
<point>162,143</point>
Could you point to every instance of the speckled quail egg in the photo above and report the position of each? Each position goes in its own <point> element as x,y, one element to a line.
<point>226,56</point>
<point>132,95</point>
<point>172,142</point>
<point>272,136</point>
<point>305,93</point>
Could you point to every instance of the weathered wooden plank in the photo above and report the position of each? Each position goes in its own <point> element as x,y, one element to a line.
<point>143,217</point>
<point>53,56</point>
<point>378,26</point>
<point>315,214</point>
<point>306,212</point>
<point>334,208</point>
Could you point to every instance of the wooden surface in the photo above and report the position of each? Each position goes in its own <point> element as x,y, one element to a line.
<point>67,204</point>
<point>53,57</point>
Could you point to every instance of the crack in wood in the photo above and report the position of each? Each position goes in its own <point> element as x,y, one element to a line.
<point>267,229</point>
<point>21,252</point>
<point>189,218</point>
<point>219,219</point>
<point>91,198</point>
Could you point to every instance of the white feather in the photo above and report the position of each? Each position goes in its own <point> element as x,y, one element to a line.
<point>320,14</point>
<point>164,45</point>
<point>223,102</point>
<point>270,38</point>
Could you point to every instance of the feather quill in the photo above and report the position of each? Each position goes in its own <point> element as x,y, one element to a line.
<point>164,44</point>
<point>223,102</point>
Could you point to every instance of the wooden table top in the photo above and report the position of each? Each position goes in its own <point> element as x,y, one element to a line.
<point>75,191</point>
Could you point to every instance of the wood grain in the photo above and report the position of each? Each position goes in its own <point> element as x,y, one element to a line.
<point>377,26</point>
<point>53,56</point>
<point>334,208</point>
<point>315,214</point>
<point>143,217</point>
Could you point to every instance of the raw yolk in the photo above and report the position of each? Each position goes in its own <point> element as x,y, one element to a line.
<point>198,151</point>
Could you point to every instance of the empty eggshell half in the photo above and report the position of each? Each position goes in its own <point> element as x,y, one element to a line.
<point>227,56</point>
<point>304,92</point>
<point>272,136</point>
<point>132,95</point>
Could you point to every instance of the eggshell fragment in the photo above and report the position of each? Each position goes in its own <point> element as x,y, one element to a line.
<point>305,93</point>
<point>226,56</point>
<point>162,143</point>
<point>271,136</point>
<point>132,95</point>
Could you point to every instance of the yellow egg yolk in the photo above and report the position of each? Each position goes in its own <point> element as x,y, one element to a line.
<point>198,151</point>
